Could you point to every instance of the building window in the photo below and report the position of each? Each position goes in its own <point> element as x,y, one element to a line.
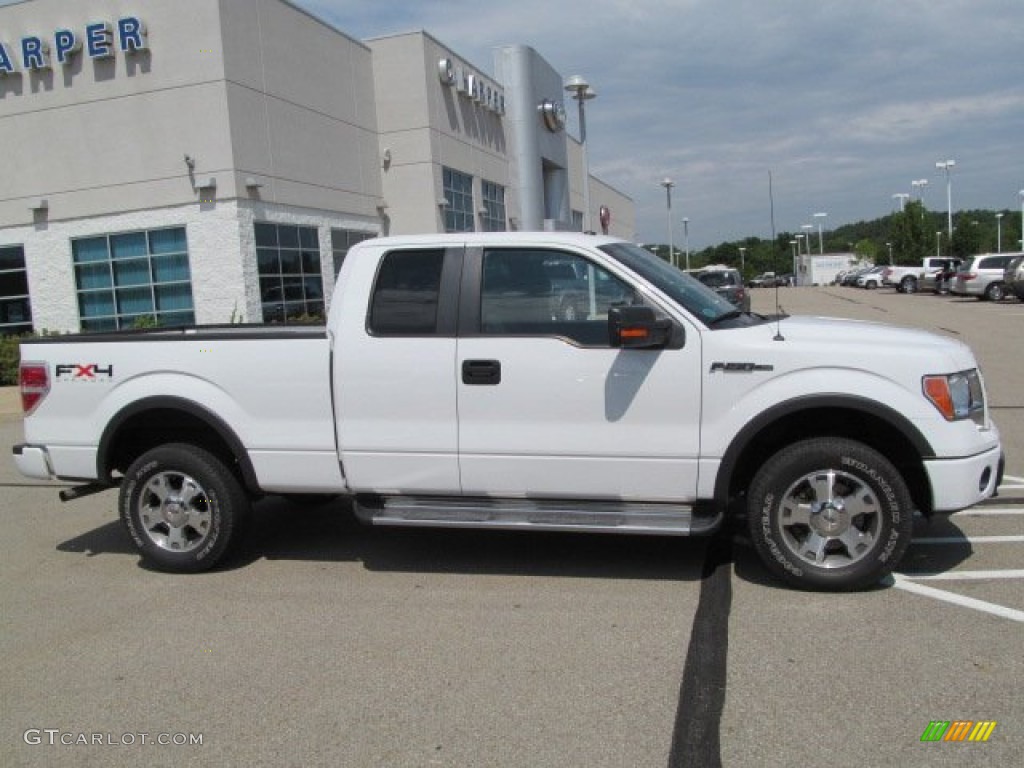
<point>493,218</point>
<point>133,278</point>
<point>15,308</point>
<point>458,191</point>
<point>288,259</point>
<point>341,241</point>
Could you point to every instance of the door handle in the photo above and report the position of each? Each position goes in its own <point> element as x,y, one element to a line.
<point>481,372</point>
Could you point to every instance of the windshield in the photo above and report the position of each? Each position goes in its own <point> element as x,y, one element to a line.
<point>688,292</point>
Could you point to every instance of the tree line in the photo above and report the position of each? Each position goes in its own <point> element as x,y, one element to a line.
<point>909,234</point>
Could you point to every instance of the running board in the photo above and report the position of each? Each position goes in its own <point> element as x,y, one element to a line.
<point>534,514</point>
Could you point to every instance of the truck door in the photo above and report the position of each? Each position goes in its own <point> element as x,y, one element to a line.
<point>547,407</point>
<point>393,371</point>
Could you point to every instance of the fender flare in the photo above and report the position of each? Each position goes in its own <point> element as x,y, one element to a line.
<point>171,403</point>
<point>763,420</point>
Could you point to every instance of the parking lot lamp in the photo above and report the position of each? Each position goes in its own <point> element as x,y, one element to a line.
<point>945,166</point>
<point>821,246</point>
<point>999,233</point>
<point>581,91</point>
<point>938,243</point>
<point>889,246</point>
<point>902,197</point>
<point>686,241</point>
<point>1021,193</point>
<point>807,238</point>
<point>920,184</point>
<point>743,260</point>
<point>667,183</point>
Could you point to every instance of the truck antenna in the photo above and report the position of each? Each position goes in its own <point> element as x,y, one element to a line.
<point>775,263</point>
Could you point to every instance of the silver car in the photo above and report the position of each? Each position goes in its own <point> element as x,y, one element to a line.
<point>982,276</point>
<point>1013,276</point>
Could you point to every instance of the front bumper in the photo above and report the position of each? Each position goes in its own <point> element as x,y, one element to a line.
<point>961,483</point>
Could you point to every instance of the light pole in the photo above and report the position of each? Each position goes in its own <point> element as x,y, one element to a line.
<point>902,197</point>
<point>686,241</point>
<point>667,183</point>
<point>889,246</point>
<point>807,239</point>
<point>920,184</point>
<point>945,166</point>
<point>999,233</point>
<point>821,244</point>
<point>743,260</point>
<point>796,272</point>
<point>938,243</point>
<point>581,91</point>
<point>1021,193</point>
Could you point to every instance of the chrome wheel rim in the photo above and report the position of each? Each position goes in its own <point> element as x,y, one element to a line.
<point>830,519</point>
<point>175,512</point>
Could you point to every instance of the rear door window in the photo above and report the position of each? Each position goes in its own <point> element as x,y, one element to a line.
<point>406,293</point>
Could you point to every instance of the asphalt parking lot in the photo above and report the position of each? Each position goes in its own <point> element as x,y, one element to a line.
<point>325,643</point>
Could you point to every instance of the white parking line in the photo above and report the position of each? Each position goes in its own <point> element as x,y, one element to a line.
<point>983,511</point>
<point>966,575</point>
<point>968,540</point>
<point>902,582</point>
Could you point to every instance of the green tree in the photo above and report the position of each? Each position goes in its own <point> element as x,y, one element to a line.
<point>969,237</point>
<point>909,234</point>
<point>867,250</point>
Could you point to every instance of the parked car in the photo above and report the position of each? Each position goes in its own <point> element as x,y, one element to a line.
<point>850,278</point>
<point>764,280</point>
<point>872,278</point>
<point>726,282</point>
<point>939,279</point>
<point>1013,276</point>
<point>982,276</point>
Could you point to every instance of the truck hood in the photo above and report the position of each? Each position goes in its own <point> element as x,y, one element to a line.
<point>801,343</point>
<point>877,342</point>
<point>839,331</point>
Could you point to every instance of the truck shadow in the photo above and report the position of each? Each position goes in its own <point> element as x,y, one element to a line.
<point>281,530</point>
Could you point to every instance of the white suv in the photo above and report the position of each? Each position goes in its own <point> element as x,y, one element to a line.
<point>982,276</point>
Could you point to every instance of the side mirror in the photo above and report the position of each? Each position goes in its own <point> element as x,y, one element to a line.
<point>637,328</point>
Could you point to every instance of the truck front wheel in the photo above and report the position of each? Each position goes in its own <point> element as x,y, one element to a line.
<point>829,514</point>
<point>182,508</point>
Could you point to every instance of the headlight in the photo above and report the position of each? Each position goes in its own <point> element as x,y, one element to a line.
<point>957,395</point>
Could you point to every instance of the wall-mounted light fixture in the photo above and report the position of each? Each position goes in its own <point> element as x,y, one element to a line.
<point>42,205</point>
<point>385,159</point>
<point>251,184</point>
<point>442,202</point>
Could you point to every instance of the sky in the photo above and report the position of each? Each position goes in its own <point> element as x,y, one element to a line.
<point>843,102</point>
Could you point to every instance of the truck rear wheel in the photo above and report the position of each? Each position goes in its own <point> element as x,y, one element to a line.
<point>829,514</point>
<point>908,284</point>
<point>182,507</point>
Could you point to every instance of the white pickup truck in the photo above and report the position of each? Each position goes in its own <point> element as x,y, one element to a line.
<point>524,381</point>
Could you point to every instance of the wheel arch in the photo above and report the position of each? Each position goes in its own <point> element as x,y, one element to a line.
<point>855,418</point>
<point>154,421</point>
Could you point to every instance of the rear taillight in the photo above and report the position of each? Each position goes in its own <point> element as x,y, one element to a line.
<point>34,382</point>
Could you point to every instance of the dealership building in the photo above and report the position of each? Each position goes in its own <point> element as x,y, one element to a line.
<point>210,161</point>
